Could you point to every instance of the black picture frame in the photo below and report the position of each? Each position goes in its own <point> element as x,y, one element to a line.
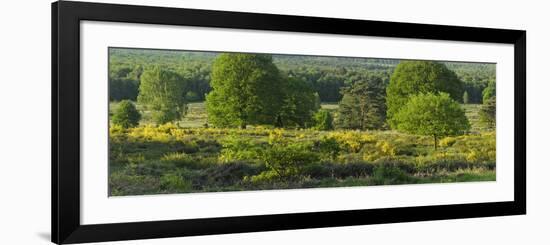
<point>66,17</point>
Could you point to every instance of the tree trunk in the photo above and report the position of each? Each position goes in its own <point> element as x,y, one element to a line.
<point>435,142</point>
<point>243,126</point>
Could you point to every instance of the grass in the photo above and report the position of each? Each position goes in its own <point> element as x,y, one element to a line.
<point>186,157</point>
<point>472,113</point>
<point>195,117</point>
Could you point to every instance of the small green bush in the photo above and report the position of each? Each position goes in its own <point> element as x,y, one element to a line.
<point>287,161</point>
<point>328,147</point>
<point>126,115</point>
<point>166,115</point>
<point>239,148</point>
<point>174,183</point>
<point>447,141</point>
<point>323,120</point>
<point>265,177</point>
<point>387,175</point>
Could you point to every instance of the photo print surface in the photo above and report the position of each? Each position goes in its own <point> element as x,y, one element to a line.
<point>201,121</point>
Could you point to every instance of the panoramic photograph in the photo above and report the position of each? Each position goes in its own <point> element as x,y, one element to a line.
<point>200,121</point>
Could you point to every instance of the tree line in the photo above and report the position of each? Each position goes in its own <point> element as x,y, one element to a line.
<point>421,97</point>
<point>327,75</point>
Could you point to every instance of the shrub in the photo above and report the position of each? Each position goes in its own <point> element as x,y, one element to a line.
<point>323,120</point>
<point>116,130</point>
<point>387,175</point>
<point>166,115</point>
<point>328,147</point>
<point>447,141</point>
<point>174,183</point>
<point>265,177</point>
<point>477,155</point>
<point>287,161</point>
<point>386,148</point>
<point>379,150</point>
<point>126,115</point>
<point>149,133</point>
<point>239,148</point>
<point>276,136</point>
<point>352,141</point>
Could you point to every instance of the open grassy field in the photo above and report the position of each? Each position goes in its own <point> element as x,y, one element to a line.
<point>472,112</point>
<point>196,116</point>
<point>188,157</point>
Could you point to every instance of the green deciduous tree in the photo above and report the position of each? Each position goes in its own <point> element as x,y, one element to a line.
<point>490,91</point>
<point>415,77</point>
<point>162,91</point>
<point>246,89</point>
<point>300,102</point>
<point>488,112</point>
<point>363,105</point>
<point>126,115</point>
<point>436,115</point>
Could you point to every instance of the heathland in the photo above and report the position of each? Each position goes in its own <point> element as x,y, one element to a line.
<point>201,122</point>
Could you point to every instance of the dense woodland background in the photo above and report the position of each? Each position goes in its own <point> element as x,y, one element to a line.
<point>326,74</point>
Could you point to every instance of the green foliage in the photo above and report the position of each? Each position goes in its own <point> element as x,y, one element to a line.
<point>287,161</point>
<point>488,112</point>
<point>328,86</point>
<point>323,120</point>
<point>211,159</point>
<point>162,91</point>
<point>363,105</point>
<point>416,77</point>
<point>123,89</point>
<point>174,183</point>
<point>124,81</point>
<point>300,102</point>
<point>194,67</point>
<point>238,148</point>
<point>247,89</point>
<point>490,91</point>
<point>434,115</point>
<point>475,77</point>
<point>265,177</point>
<point>466,98</point>
<point>326,74</point>
<point>285,91</point>
<point>385,174</point>
<point>126,115</point>
<point>329,148</point>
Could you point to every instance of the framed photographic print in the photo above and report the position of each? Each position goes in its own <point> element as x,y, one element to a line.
<point>177,122</point>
